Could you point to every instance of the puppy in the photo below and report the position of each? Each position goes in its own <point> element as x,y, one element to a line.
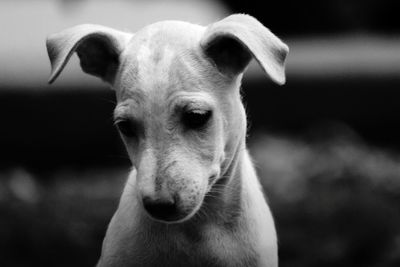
<point>192,197</point>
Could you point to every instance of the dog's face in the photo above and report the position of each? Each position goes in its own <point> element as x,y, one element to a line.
<point>178,101</point>
<point>173,110</point>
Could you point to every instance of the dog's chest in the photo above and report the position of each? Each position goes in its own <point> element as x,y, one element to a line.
<point>212,247</point>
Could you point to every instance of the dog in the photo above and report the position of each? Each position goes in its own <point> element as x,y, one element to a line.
<point>192,197</point>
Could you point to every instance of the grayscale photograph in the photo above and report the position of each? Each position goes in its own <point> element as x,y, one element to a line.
<point>199,133</point>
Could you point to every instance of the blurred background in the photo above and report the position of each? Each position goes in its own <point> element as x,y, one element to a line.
<point>326,144</point>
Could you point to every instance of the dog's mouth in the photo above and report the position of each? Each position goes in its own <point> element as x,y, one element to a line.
<point>170,212</point>
<point>165,214</point>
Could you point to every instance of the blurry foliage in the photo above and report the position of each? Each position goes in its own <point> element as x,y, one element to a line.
<point>336,203</point>
<point>57,223</point>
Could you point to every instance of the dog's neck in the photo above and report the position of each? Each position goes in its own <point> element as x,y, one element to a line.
<point>223,203</point>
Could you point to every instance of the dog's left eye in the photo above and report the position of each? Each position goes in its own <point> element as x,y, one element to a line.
<point>195,119</point>
<point>126,127</point>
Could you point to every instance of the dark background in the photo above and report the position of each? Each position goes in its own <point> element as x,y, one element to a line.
<point>326,148</point>
<point>313,17</point>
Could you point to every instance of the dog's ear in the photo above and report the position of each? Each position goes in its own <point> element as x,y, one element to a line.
<point>233,41</point>
<point>98,49</point>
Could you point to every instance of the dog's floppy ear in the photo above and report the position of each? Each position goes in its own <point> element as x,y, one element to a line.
<point>233,41</point>
<point>98,49</point>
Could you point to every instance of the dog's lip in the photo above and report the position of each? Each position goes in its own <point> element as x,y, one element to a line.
<point>166,221</point>
<point>212,181</point>
<point>178,218</point>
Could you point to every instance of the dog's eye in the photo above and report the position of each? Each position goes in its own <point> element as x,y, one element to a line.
<point>126,127</point>
<point>195,119</point>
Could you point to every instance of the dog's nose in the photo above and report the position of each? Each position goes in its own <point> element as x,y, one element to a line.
<point>164,209</point>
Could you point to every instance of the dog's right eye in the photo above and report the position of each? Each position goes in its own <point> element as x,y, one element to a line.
<point>126,127</point>
<point>196,119</point>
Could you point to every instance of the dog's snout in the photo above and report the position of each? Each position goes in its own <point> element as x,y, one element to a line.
<point>161,208</point>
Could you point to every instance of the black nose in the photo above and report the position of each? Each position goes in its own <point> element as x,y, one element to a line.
<point>164,209</point>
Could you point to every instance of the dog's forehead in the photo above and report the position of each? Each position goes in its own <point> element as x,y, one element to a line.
<point>177,34</point>
<point>161,58</point>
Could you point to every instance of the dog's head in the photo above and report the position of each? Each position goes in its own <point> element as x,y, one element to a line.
<point>178,90</point>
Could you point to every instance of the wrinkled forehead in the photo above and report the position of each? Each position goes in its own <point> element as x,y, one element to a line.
<point>163,58</point>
